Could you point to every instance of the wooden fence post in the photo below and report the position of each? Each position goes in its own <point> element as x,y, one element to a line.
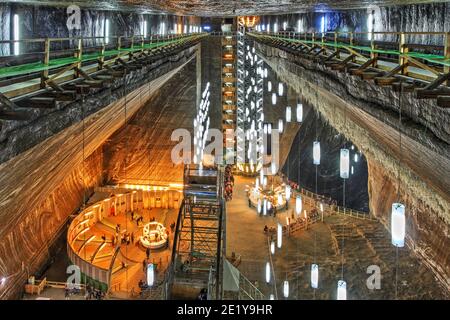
<point>46,60</point>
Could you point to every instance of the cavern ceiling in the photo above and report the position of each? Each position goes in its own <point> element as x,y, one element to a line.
<point>224,7</point>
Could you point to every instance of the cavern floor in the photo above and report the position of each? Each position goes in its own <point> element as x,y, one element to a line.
<point>365,243</point>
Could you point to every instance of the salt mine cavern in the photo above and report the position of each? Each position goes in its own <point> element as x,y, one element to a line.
<point>225,150</point>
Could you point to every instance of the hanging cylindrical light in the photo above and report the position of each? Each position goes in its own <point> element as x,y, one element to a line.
<point>344,163</point>
<point>314,276</point>
<point>299,112</point>
<point>316,152</point>
<point>356,157</point>
<point>288,114</point>
<point>265,72</point>
<point>272,297</point>
<point>259,206</point>
<point>298,204</point>
<point>150,274</point>
<point>272,247</point>
<point>274,98</point>
<point>280,89</point>
<point>342,290</point>
<point>280,125</point>
<point>280,199</point>
<point>398,224</point>
<point>267,272</point>
<point>286,289</point>
<point>269,86</point>
<point>279,236</point>
<point>287,191</point>
<point>273,168</point>
<point>265,207</point>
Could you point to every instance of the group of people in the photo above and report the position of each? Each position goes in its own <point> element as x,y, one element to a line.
<point>229,183</point>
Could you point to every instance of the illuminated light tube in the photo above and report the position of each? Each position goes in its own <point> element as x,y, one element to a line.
<point>265,73</point>
<point>280,199</point>
<point>314,276</point>
<point>150,274</point>
<point>274,99</point>
<point>272,247</point>
<point>299,112</point>
<point>265,207</point>
<point>288,114</point>
<point>316,152</point>
<point>298,204</point>
<point>267,272</point>
<point>344,163</point>
<point>16,27</point>
<point>273,168</point>
<point>356,157</point>
<point>280,125</point>
<point>286,289</point>
<point>287,191</point>
<point>269,86</point>
<point>279,236</point>
<point>272,297</point>
<point>258,208</point>
<point>280,89</point>
<point>398,225</point>
<point>342,290</point>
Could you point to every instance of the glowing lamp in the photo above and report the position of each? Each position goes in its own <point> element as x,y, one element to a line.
<point>288,114</point>
<point>279,236</point>
<point>286,289</point>
<point>258,208</point>
<point>287,191</point>
<point>342,290</point>
<point>398,224</point>
<point>344,163</point>
<point>280,198</point>
<point>273,168</point>
<point>267,272</point>
<point>150,274</point>
<point>272,297</point>
<point>274,98</point>
<point>272,247</point>
<point>280,89</point>
<point>316,152</point>
<point>269,86</point>
<point>298,204</point>
<point>299,112</point>
<point>314,276</point>
<point>280,125</point>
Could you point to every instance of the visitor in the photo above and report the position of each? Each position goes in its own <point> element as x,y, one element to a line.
<point>144,265</point>
<point>203,295</point>
<point>132,237</point>
<point>147,253</point>
<point>103,238</point>
<point>66,293</point>
<point>266,229</point>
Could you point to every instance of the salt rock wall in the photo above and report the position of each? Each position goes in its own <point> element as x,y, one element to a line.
<point>32,236</point>
<point>426,232</point>
<point>140,152</point>
<point>425,17</point>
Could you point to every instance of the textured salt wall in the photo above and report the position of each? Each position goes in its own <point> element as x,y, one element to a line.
<point>26,248</point>
<point>427,17</point>
<point>140,152</point>
<point>45,21</point>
